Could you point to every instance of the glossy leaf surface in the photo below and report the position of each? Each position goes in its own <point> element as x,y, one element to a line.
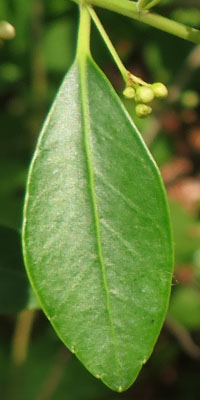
<point>97,240</point>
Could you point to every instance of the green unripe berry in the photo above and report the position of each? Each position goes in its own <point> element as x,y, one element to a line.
<point>129,92</point>
<point>7,31</point>
<point>144,94</point>
<point>142,110</point>
<point>160,90</point>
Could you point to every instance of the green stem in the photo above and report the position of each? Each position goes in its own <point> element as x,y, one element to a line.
<point>153,3</point>
<point>129,79</point>
<point>109,44</point>
<point>130,9</point>
<point>83,47</point>
<point>141,4</point>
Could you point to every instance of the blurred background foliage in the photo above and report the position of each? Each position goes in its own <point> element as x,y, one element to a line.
<point>34,365</point>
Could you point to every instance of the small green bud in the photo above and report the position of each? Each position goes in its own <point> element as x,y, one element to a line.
<point>129,92</point>
<point>7,31</point>
<point>160,90</point>
<point>144,94</point>
<point>142,110</point>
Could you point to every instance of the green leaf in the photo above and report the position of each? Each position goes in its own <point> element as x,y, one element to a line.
<point>15,290</point>
<point>97,240</point>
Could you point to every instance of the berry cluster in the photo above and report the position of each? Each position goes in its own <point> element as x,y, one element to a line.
<point>143,95</point>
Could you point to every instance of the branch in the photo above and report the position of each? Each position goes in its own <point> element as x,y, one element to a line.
<point>130,9</point>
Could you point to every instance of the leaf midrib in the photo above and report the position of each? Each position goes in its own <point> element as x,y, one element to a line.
<point>86,128</point>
